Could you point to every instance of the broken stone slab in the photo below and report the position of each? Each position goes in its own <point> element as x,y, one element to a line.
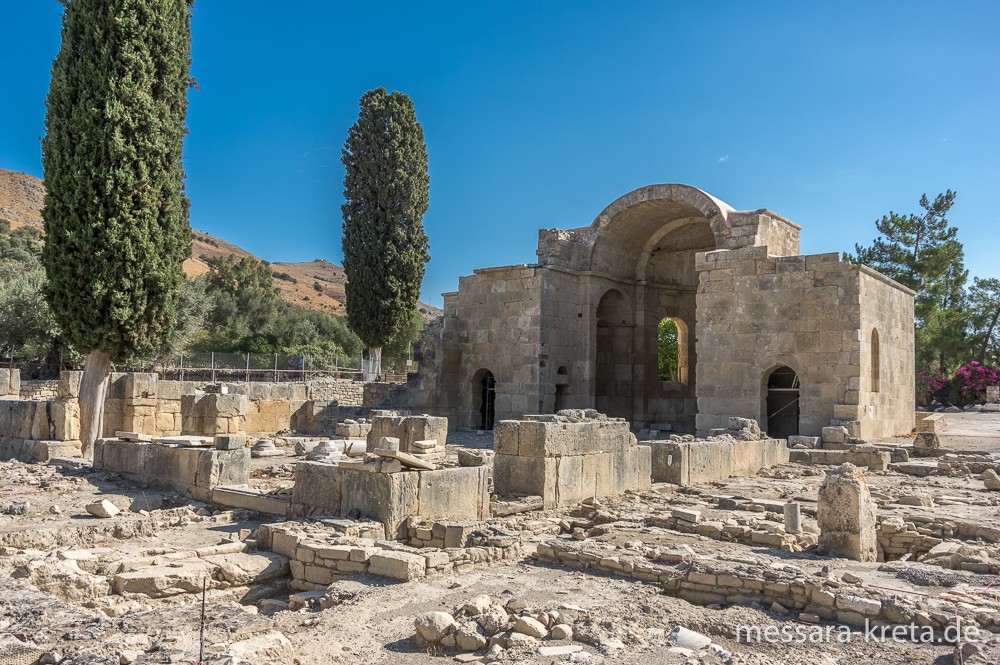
<point>406,459</point>
<point>560,650</point>
<point>230,442</point>
<point>424,445</point>
<point>686,515</point>
<point>186,441</point>
<point>507,506</point>
<point>133,436</point>
<point>103,509</point>
<point>919,499</point>
<point>359,466</point>
<point>798,440</point>
<point>468,457</point>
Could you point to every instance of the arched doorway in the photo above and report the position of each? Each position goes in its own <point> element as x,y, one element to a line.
<point>782,403</point>
<point>484,387</point>
<point>613,389</point>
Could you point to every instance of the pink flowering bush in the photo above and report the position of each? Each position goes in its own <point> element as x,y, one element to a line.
<point>967,386</point>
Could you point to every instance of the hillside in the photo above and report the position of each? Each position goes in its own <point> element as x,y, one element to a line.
<point>316,285</point>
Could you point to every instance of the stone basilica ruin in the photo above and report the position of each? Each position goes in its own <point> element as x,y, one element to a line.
<point>795,342</point>
<point>537,492</point>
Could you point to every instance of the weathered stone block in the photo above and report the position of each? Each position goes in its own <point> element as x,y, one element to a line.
<point>139,385</point>
<point>69,384</point>
<point>402,566</point>
<point>455,493</point>
<point>846,516</point>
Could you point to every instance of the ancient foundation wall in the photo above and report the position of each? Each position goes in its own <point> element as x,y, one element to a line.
<point>38,430</point>
<point>145,404</point>
<point>456,493</point>
<point>565,460</point>
<point>316,562</point>
<point>193,472</point>
<point>693,462</point>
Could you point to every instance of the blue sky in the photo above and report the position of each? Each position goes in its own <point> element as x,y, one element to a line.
<point>539,114</point>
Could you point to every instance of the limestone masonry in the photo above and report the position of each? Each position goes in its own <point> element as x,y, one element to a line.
<point>795,342</point>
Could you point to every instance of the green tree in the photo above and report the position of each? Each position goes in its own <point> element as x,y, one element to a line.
<point>116,217</point>
<point>386,195</point>
<point>984,319</point>
<point>397,350</point>
<point>668,349</point>
<point>26,324</point>
<point>922,252</point>
<point>192,311</point>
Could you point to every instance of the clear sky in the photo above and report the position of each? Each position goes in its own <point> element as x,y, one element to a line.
<point>539,114</point>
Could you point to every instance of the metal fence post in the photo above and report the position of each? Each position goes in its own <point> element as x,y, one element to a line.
<point>213,366</point>
<point>180,370</point>
<point>275,367</point>
<point>248,367</point>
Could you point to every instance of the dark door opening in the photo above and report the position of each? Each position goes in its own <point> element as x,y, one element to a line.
<point>782,403</point>
<point>487,400</point>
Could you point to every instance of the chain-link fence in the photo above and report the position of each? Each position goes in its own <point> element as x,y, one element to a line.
<point>212,367</point>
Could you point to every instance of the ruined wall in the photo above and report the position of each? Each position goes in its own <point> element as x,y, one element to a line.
<point>39,429</point>
<point>886,392</point>
<point>39,389</point>
<point>492,324</point>
<point>757,312</point>
<point>565,459</point>
<point>696,462</point>
<point>779,235</point>
<point>457,493</point>
<point>193,472</point>
<point>145,404</point>
<point>565,370</point>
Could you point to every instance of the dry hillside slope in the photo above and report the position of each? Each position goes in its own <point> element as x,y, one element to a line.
<point>316,285</point>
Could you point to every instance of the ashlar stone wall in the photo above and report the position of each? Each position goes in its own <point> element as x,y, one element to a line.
<point>757,313</point>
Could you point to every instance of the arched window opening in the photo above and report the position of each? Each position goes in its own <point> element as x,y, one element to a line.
<point>672,350</point>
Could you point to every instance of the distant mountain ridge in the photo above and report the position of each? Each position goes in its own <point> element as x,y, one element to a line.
<point>316,285</point>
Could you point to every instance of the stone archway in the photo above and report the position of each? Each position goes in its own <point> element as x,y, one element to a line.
<point>646,244</point>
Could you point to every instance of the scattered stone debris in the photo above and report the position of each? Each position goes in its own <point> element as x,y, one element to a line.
<point>391,538</point>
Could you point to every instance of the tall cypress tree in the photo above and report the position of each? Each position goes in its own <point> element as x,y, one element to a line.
<point>386,195</point>
<point>116,217</point>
